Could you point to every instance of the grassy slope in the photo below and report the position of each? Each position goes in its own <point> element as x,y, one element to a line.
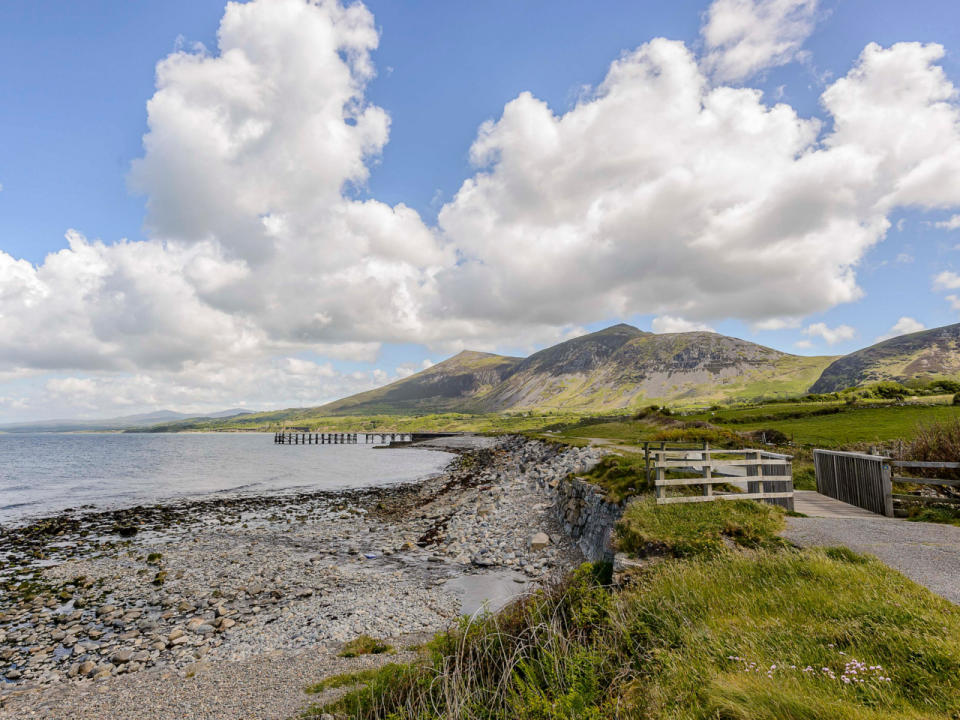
<point>765,633</point>
<point>818,424</point>
<point>793,375</point>
<point>933,353</point>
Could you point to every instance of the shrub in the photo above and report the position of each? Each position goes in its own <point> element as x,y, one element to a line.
<point>936,442</point>
<point>890,390</point>
<point>771,436</point>
<point>691,433</point>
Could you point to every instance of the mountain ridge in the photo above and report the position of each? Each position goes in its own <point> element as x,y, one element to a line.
<point>931,353</point>
<point>614,368</point>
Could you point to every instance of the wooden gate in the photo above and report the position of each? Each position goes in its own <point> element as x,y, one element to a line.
<point>750,474</point>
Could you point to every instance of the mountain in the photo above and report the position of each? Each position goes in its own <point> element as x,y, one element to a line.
<point>619,367</point>
<point>116,423</point>
<point>624,367</point>
<point>921,355</point>
<point>455,384</point>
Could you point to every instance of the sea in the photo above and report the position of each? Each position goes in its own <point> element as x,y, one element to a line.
<point>45,473</point>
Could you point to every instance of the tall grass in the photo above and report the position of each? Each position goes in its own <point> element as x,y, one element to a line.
<point>936,442</point>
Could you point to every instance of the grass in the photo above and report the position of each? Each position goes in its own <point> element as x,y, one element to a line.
<point>364,645</point>
<point>765,633</point>
<point>308,420</point>
<point>348,679</point>
<point>699,529</point>
<point>620,475</point>
<point>846,426</point>
<point>943,515</point>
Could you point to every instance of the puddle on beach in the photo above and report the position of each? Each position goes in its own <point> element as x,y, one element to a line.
<point>490,591</point>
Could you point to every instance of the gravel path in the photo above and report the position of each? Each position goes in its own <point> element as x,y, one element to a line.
<point>927,553</point>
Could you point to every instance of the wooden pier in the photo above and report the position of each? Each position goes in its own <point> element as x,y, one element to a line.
<point>326,438</point>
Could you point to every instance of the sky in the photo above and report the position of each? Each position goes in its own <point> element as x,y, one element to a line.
<point>278,203</point>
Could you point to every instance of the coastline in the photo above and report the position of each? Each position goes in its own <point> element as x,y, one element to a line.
<point>212,590</point>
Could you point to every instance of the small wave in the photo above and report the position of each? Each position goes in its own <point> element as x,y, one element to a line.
<point>237,488</point>
<point>19,505</point>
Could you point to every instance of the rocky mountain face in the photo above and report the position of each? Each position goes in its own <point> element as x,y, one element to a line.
<point>451,385</point>
<point>931,353</point>
<point>623,367</point>
<point>618,367</point>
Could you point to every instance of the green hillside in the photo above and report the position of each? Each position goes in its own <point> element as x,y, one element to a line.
<point>924,355</point>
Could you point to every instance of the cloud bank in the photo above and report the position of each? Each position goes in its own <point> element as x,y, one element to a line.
<point>659,192</point>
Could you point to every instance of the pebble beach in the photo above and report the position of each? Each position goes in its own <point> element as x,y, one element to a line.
<point>228,608</point>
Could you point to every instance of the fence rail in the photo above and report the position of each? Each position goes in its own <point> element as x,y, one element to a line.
<point>766,476</point>
<point>937,482</point>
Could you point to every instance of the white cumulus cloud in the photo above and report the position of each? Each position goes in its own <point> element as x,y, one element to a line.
<point>670,324</point>
<point>660,192</point>
<point>830,335</point>
<point>903,326</point>
<point>743,37</point>
<point>946,280</point>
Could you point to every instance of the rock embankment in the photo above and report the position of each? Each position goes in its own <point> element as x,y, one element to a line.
<point>220,586</point>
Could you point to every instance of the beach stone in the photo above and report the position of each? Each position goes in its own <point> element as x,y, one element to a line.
<point>121,656</point>
<point>539,541</point>
<point>86,667</point>
<point>13,674</point>
<point>175,634</point>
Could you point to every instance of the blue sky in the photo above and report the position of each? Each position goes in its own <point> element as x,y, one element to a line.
<point>76,79</point>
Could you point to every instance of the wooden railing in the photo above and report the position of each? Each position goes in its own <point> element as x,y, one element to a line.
<point>766,476</point>
<point>867,480</point>
<point>926,465</point>
<point>652,446</point>
<point>855,478</point>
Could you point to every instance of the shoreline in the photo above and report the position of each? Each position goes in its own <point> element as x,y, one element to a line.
<point>223,582</point>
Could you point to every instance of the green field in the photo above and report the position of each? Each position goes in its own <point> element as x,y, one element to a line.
<point>435,422</point>
<point>828,425</point>
<point>850,425</point>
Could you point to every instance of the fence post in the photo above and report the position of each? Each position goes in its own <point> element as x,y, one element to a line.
<point>646,462</point>
<point>887,486</point>
<point>706,470</point>
<point>753,486</point>
<point>660,490</point>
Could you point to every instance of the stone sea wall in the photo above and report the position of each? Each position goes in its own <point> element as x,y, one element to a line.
<point>581,507</point>
<point>588,518</point>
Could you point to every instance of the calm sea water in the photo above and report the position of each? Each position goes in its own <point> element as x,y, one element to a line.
<point>44,473</point>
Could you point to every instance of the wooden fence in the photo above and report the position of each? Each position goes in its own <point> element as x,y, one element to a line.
<point>867,480</point>
<point>855,478</point>
<point>652,446</point>
<point>925,465</point>
<point>765,476</point>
